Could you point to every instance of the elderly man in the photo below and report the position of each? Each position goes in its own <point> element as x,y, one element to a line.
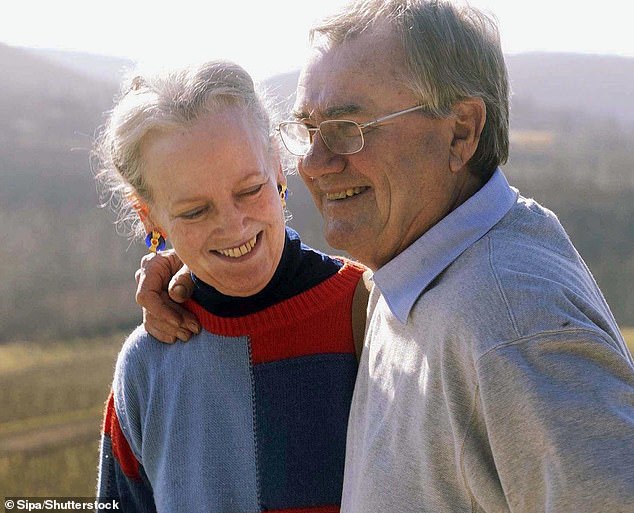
<point>493,377</point>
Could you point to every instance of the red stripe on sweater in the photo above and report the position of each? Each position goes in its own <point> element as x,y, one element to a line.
<point>120,448</point>
<point>316,321</point>
<point>326,327</point>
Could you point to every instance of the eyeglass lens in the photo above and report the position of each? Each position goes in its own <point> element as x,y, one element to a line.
<point>296,138</point>
<point>340,136</point>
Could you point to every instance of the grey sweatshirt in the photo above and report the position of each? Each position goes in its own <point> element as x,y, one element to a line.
<point>494,377</point>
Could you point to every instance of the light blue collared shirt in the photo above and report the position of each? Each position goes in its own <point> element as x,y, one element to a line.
<point>404,278</point>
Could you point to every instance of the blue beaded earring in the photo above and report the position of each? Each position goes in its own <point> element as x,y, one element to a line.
<point>155,241</point>
<point>283,190</point>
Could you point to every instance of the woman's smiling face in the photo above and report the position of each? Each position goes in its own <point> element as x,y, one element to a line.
<point>214,194</point>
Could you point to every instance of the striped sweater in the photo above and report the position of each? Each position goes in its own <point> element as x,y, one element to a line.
<point>249,416</point>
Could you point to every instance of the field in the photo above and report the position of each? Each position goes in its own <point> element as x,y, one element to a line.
<point>51,402</point>
<point>51,405</point>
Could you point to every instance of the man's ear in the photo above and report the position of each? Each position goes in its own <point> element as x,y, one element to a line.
<point>469,117</point>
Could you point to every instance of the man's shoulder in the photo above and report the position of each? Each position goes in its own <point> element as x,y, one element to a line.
<point>540,274</point>
<point>523,277</point>
<point>527,230</point>
<point>528,241</point>
<point>528,227</point>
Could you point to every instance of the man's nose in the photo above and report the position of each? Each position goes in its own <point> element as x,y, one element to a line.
<point>320,160</point>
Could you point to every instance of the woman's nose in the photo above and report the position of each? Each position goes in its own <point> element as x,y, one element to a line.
<point>231,218</point>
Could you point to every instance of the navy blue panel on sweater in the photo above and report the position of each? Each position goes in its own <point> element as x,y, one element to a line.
<point>302,408</point>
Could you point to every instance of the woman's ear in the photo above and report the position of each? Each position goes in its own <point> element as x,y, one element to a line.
<point>469,117</point>
<point>280,177</point>
<point>143,211</point>
<point>147,223</point>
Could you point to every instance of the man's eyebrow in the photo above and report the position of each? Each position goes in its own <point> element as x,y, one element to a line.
<point>333,112</point>
<point>299,115</point>
<point>342,110</point>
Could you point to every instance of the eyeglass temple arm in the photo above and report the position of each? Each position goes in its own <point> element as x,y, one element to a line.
<point>390,116</point>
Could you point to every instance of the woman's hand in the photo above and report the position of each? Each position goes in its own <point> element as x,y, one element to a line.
<point>162,283</point>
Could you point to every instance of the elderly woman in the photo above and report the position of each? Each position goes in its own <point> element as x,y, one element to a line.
<point>251,414</point>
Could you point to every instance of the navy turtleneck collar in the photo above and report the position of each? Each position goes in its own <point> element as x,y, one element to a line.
<point>300,268</point>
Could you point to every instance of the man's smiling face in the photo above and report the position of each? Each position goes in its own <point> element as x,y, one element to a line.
<point>375,203</point>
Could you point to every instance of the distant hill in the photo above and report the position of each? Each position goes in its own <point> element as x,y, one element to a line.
<point>44,101</point>
<point>100,67</point>
<point>49,113</point>
<point>28,70</point>
<point>597,85</point>
<point>66,272</point>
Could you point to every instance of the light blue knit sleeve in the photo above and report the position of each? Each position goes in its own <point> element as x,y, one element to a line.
<point>122,479</point>
<point>131,386</point>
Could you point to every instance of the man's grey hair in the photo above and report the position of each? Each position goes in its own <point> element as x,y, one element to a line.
<point>452,53</point>
<point>167,101</point>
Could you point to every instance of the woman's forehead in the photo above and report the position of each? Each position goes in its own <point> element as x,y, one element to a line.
<point>217,148</point>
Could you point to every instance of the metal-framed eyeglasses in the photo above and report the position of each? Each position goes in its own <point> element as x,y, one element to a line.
<point>341,136</point>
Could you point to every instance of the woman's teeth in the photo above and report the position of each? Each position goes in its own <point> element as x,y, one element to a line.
<point>239,251</point>
<point>345,194</point>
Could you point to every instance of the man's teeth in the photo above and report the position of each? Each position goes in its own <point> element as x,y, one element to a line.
<point>241,250</point>
<point>345,194</point>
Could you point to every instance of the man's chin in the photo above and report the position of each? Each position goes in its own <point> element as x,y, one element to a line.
<point>349,241</point>
<point>338,238</point>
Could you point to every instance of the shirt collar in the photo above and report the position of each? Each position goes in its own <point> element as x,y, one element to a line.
<point>404,278</point>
